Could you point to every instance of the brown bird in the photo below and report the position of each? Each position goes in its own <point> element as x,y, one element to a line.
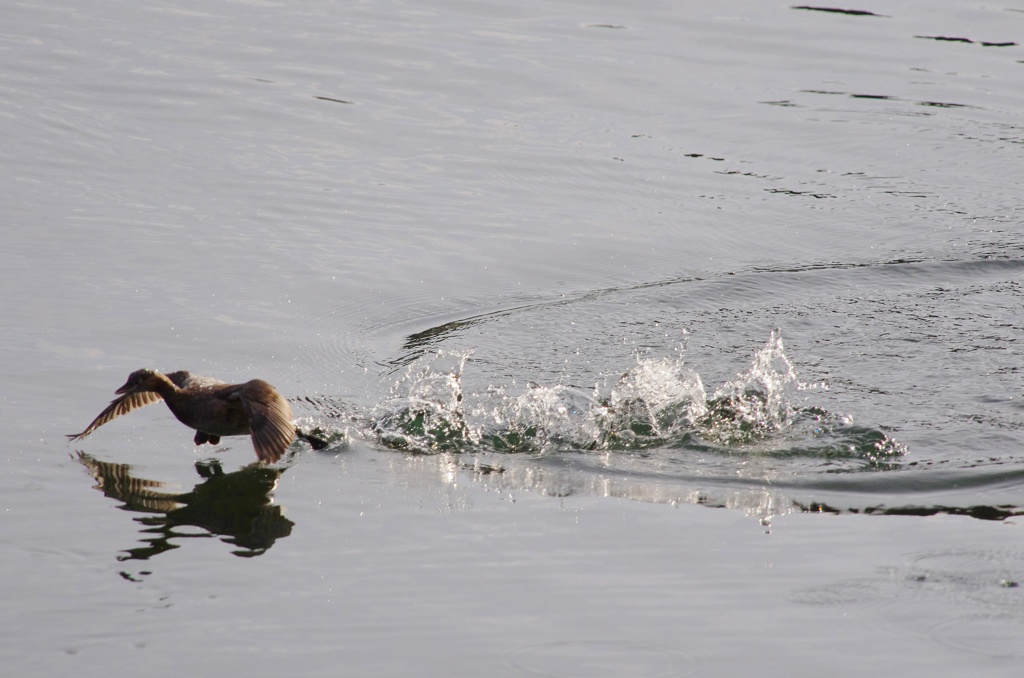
<point>211,407</point>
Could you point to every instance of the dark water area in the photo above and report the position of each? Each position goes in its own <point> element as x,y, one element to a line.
<point>654,340</point>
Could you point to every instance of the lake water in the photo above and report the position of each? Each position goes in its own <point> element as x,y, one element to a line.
<point>650,339</point>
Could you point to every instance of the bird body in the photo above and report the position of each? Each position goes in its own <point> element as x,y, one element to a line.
<point>211,407</point>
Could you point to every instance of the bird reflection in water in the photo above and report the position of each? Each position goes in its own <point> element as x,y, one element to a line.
<point>235,506</point>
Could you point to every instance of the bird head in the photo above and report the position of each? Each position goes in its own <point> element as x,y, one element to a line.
<point>137,381</point>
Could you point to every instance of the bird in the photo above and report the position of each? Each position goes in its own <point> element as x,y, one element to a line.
<point>210,406</point>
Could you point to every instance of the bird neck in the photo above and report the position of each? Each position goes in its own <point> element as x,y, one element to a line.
<point>162,385</point>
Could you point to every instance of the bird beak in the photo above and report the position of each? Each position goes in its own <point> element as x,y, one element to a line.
<point>124,389</point>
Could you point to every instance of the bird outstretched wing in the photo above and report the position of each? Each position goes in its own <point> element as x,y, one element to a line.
<point>132,401</point>
<point>118,406</point>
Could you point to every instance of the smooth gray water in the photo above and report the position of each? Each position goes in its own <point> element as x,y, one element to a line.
<point>561,282</point>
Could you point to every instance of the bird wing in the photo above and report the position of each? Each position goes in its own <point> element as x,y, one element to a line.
<point>270,419</point>
<point>132,401</point>
<point>118,406</point>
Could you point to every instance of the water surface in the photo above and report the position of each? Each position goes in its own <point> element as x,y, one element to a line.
<point>560,281</point>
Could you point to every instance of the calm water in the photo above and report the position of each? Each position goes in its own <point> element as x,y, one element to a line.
<point>653,340</point>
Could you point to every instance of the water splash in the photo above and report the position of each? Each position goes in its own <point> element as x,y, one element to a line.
<point>657,400</point>
<point>757,403</point>
<point>424,410</point>
<point>760,412</point>
<point>658,403</point>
